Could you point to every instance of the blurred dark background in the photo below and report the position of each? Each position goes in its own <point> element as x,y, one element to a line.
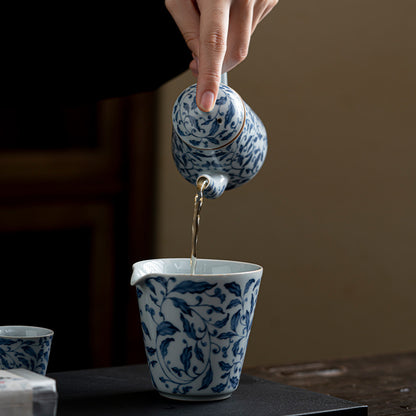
<point>77,170</point>
<point>76,206</point>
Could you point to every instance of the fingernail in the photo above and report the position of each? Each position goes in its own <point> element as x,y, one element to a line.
<point>207,101</point>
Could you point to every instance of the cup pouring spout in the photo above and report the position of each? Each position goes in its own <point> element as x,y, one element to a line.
<point>143,270</point>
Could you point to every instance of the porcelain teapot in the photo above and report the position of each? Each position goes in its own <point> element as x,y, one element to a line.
<point>226,145</point>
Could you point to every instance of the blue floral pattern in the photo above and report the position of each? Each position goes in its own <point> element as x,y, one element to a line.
<point>32,354</point>
<point>238,155</point>
<point>208,130</point>
<point>196,332</point>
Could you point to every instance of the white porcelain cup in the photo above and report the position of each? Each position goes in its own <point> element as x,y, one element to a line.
<point>25,347</point>
<point>196,327</point>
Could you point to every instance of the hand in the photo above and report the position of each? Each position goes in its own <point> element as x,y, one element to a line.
<point>218,34</point>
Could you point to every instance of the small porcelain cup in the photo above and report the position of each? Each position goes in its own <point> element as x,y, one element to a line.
<point>196,327</point>
<point>25,347</point>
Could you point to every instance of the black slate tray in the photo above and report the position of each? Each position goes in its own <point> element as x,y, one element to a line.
<point>127,390</point>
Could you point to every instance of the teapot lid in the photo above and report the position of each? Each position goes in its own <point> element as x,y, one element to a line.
<point>213,129</point>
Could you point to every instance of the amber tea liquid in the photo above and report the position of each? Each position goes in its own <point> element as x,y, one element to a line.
<point>201,185</point>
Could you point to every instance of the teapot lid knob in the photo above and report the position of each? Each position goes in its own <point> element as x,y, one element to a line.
<point>213,129</point>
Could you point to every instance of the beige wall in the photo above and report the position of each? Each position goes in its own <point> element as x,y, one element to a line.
<point>331,216</point>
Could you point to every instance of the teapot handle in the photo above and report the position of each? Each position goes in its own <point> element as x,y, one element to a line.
<point>224,78</point>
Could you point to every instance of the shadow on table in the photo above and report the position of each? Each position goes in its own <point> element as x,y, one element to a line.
<point>126,404</point>
<point>112,404</point>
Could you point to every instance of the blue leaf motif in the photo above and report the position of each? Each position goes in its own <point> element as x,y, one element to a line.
<point>182,305</point>
<point>151,351</point>
<point>3,362</point>
<point>164,346</point>
<point>149,309</point>
<point>233,303</point>
<point>162,281</point>
<point>186,358</point>
<point>216,309</point>
<point>194,142</point>
<point>235,320</point>
<point>226,335</point>
<point>234,382</point>
<point>253,303</point>
<point>166,328</point>
<point>233,288</point>
<point>207,380</point>
<point>188,328</point>
<point>229,115</point>
<point>149,284</point>
<point>6,342</point>
<point>194,123</point>
<point>221,323</point>
<point>225,366</point>
<point>213,140</point>
<point>193,287</point>
<point>247,319</point>
<point>214,128</point>
<point>178,371</point>
<point>221,100</point>
<point>236,348</point>
<point>198,353</point>
<point>248,284</point>
<point>219,388</point>
<point>25,362</point>
<point>145,330</point>
<point>139,293</point>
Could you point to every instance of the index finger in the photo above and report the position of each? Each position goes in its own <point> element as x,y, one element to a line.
<point>214,19</point>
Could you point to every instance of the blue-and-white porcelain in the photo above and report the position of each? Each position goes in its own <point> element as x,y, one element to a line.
<point>25,347</point>
<point>227,145</point>
<point>196,327</point>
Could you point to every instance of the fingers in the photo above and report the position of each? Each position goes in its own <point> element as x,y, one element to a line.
<point>218,34</point>
<point>239,33</point>
<point>226,27</point>
<point>186,16</point>
<point>261,9</point>
<point>214,20</point>
<point>193,66</point>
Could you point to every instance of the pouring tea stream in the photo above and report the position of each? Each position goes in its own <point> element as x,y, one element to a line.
<point>216,150</point>
<point>196,318</point>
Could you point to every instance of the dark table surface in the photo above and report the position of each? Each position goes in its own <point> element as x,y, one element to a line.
<point>386,383</point>
<point>127,390</point>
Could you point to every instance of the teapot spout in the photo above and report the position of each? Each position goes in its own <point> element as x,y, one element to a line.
<point>217,183</point>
